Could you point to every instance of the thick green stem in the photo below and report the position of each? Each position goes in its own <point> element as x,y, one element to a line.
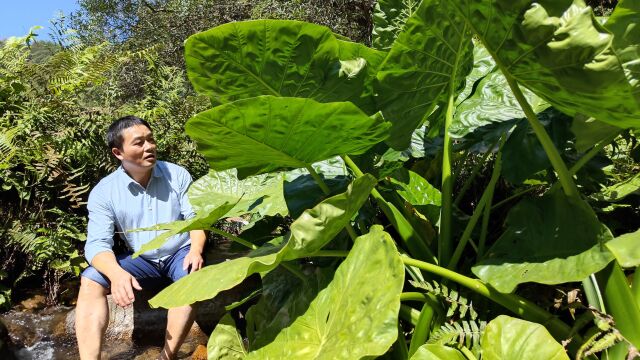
<point>423,327</point>
<point>327,191</point>
<point>414,296</point>
<point>318,179</point>
<point>484,202</point>
<point>467,353</point>
<point>444,240</point>
<point>512,302</point>
<point>566,180</point>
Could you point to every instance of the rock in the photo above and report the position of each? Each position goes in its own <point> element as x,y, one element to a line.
<point>5,343</point>
<point>36,302</point>
<point>141,325</point>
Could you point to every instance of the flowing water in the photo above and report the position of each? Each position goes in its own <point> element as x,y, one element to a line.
<point>41,335</point>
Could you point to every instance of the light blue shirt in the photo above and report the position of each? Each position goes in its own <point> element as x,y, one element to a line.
<point>118,203</point>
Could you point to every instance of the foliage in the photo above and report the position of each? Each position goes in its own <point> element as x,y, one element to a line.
<point>274,109</point>
<point>53,116</point>
<point>532,106</point>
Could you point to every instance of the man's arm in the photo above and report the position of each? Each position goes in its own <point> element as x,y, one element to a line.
<point>122,283</point>
<point>194,257</point>
<point>98,248</point>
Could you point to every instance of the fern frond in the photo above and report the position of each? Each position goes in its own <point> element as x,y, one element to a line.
<point>464,333</point>
<point>7,147</point>
<point>457,302</point>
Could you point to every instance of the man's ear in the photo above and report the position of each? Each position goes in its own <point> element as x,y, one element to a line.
<point>117,153</point>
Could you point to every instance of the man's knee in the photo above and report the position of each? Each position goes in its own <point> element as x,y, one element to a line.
<point>91,288</point>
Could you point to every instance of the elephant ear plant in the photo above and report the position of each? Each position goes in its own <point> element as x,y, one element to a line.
<point>290,96</point>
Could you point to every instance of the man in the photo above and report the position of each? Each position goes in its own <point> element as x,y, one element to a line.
<point>142,192</point>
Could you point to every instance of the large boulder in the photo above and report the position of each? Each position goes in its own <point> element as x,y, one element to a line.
<point>143,325</point>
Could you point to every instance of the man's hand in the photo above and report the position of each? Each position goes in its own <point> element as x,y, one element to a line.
<point>122,285</point>
<point>193,260</point>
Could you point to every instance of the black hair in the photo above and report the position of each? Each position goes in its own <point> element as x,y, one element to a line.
<point>114,133</point>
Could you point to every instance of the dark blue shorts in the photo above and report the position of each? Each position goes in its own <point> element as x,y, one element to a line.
<point>148,273</point>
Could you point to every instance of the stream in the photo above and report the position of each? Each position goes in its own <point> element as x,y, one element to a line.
<point>42,335</point>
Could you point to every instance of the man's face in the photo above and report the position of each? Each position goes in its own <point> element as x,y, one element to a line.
<point>138,148</point>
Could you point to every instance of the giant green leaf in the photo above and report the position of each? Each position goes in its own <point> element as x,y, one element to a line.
<point>626,249</point>
<point>623,24</point>
<point>437,352</point>
<point>284,298</point>
<point>268,133</point>
<point>558,50</point>
<point>432,55</point>
<point>276,57</point>
<point>550,240</point>
<point>261,194</point>
<point>316,227</point>
<point>389,17</point>
<point>207,282</point>
<point>319,225</point>
<point>483,64</point>
<point>491,102</point>
<point>203,220</point>
<point>510,338</point>
<point>225,343</point>
<point>356,315</point>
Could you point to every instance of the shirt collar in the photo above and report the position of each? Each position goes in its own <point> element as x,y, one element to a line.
<point>155,172</point>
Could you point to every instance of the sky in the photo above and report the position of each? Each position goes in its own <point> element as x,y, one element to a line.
<point>18,16</point>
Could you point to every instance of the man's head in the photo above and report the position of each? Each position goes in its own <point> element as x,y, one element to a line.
<point>131,141</point>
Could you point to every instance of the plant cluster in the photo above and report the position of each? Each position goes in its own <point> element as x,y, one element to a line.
<point>526,111</point>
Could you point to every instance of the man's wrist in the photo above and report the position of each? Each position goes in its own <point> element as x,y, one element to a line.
<point>197,248</point>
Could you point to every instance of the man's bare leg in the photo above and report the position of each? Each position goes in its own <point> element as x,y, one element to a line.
<point>92,317</point>
<point>179,322</point>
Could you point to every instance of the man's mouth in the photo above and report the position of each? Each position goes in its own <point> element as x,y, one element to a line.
<point>150,157</point>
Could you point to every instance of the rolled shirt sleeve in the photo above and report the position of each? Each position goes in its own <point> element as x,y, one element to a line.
<point>101,225</point>
<point>185,206</point>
